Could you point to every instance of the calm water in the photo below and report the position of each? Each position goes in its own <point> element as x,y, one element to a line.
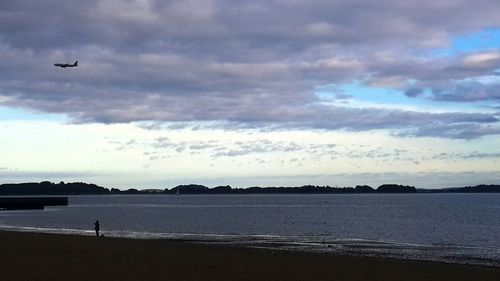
<point>445,227</point>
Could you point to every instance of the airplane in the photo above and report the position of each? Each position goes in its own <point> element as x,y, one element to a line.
<point>64,65</point>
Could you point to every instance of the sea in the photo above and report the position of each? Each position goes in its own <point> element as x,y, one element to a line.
<point>454,228</point>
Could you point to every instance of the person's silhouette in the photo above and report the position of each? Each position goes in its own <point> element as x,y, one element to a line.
<point>96,227</point>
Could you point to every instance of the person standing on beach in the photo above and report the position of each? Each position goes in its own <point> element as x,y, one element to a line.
<point>96,227</point>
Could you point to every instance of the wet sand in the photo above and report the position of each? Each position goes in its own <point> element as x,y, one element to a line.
<point>30,257</point>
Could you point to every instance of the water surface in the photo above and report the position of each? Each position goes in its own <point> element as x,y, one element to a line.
<point>445,227</point>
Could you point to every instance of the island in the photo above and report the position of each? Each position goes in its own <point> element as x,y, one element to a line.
<point>47,188</point>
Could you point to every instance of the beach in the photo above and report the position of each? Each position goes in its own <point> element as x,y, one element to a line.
<point>34,256</point>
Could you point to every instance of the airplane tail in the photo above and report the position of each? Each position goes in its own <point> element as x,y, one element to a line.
<point>76,63</point>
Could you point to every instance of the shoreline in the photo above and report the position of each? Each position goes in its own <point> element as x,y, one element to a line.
<point>41,256</point>
<point>340,247</point>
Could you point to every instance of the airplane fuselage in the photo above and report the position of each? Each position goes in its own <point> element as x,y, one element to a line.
<point>64,65</point>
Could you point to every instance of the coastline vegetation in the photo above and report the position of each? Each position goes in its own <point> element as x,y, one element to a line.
<point>80,188</point>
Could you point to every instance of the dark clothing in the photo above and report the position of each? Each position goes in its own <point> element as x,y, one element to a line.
<point>96,227</point>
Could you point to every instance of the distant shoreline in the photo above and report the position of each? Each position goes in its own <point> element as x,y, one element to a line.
<point>79,188</point>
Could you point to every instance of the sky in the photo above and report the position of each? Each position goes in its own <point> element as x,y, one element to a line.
<point>245,93</point>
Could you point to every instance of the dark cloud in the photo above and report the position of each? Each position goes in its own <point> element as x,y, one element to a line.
<point>248,63</point>
<point>413,92</point>
<point>455,131</point>
<point>468,92</point>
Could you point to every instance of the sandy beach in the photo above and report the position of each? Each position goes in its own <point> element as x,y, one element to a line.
<point>30,256</point>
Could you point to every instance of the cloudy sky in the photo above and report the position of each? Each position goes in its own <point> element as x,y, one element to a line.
<point>324,92</point>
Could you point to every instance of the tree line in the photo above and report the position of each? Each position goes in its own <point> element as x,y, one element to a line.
<point>80,188</point>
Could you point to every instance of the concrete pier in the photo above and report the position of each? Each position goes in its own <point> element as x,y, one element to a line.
<point>31,203</point>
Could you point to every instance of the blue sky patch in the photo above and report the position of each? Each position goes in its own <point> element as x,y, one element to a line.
<point>360,95</point>
<point>473,42</point>
<point>18,114</point>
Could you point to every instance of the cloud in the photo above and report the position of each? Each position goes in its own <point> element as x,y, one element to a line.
<point>483,60</point>
<point>431,179</point>
<point>468,91</point>
<point>413,92</point>
<point>454,131</point>
<point>12,176</point>
<point>480,155</point>
<point>256,147</point>
<point>466,155</point>
<point>163,147</point>
<point>252,64</point>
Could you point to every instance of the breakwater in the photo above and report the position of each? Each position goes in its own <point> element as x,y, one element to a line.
<point>31,203</point>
